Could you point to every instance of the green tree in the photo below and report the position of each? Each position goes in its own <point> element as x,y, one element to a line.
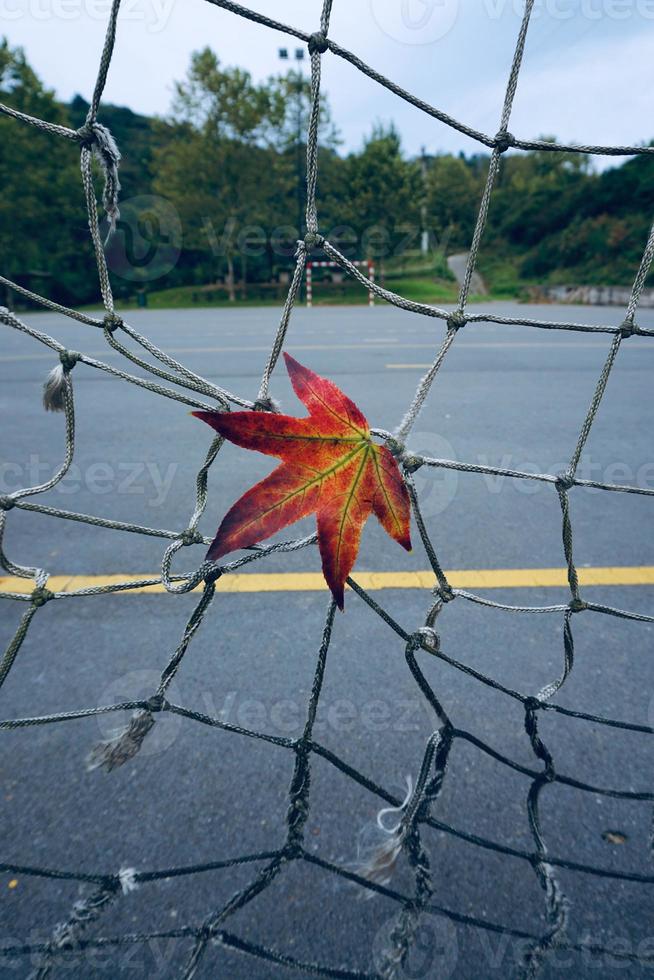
<point>453,189</point>
<point>383,197</point>
<point>234,166</point>
<point>537,193</point>
<point>291,96</point>
<point>229,159</point>
<point>213,167</point>
<point>43,235</point>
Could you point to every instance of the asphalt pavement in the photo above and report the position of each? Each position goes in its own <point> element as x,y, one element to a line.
<point>509,396</point>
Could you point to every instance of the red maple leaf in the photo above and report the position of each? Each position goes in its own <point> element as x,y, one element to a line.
<point>329,465</point>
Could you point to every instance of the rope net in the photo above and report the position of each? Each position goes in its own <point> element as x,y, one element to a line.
<point>417,812</point>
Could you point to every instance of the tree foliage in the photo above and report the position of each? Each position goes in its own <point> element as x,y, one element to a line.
<point>41,231</point>
<point>230,161</point>
<point>382,195</point>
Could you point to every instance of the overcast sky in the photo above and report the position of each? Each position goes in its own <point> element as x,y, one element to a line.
<point>588,72</point>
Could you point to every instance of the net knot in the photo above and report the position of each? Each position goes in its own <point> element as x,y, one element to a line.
<point>532,704</point>
<point>628,328</point>
<point>190,536</point>
<point>7,502</point>
<point>86,135</point>
<point>155,703</point>
<point>577,605</point>
<point>396,447</point>
<point>69,359</point>
<point>97,138</point>
<point>410,462</point>
<point>111,885</point>
<point>292,851</point>
<point>318,43</point>
<point>446,593</point>
<point>456,320</point>
<point>112,321</point>
<point>313,239</point>
<point>503,141</point>
<point>41,595</point>
<point>212,574</point>
<point>565,480</point>
<point>426,634</point>
<point>267,404</point>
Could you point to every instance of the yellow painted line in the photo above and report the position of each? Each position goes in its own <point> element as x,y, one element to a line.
<point>489,578</point>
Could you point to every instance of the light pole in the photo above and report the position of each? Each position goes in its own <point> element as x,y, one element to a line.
<point>299,60</point>
<point>424,231</point>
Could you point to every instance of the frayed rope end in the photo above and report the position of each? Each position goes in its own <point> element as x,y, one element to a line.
<point>123,746</point>
<point>106,152</point>
<point>127,879</point>
<point>54,388</point>
<point>379,866</point>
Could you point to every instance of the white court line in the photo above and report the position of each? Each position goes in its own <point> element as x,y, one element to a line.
<point>265,348</point>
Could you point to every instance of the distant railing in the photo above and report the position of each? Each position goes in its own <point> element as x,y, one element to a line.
<point>590,295</point>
